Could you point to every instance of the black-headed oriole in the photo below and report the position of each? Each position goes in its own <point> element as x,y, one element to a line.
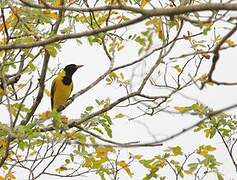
<point>62,86</point>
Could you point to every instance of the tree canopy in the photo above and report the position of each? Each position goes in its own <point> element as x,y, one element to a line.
<point>153,63</point>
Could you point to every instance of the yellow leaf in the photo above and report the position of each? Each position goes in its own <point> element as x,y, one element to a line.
<point>210,148</point>
<point>207,132</point>
<point>151,21</point>
<point>13,110</point>
<point>202,152</point>
<point>203,77</point>
<point>177,67</point>
<point>120,48</point>
<point>1,178</point>
<point>57,2</point>
<point>45,115</point>
<point>46,91</point>
<point>21,85</point>
<point>1,52</point>
<point>181,109</point>
<point>120,115</point>
<point>138,156</point>
<point>159,29</point>
<point>51,14</point>
<point>125,166</point>
<point>1,92</point>
<point>162,162</point>
<point>61,169</point>
<point>1,28</point>
<point>157,22</point>
<point>70,134</point>
<point>3,142</point>
<point>112,2</point>
<point>103,151</point>
<point>230,42</point>
<point>10,176</point>
<point>89,162</point>
<point>210,83</point>
<point>9,21</point>
<point>188,37</point>
<point>33,153</point>
<point>143,3</point>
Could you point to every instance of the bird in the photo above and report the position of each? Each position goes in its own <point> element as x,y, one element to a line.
<point>62,86</point>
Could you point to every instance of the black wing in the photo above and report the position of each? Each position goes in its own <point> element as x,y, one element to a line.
<point>52,92</point>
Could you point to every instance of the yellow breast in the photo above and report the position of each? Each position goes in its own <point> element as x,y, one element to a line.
<point>1,92</point>
<point>62,92</point>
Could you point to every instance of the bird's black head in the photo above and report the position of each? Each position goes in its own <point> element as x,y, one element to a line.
<point>71,69</point>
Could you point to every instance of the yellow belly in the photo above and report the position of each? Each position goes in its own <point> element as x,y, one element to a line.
<point>62,93</point>
<point>1,92</point>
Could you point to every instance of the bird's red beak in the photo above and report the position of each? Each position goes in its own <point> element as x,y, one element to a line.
<point>79,66</point>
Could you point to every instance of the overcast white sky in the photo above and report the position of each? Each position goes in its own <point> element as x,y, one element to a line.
<point>162,125</point>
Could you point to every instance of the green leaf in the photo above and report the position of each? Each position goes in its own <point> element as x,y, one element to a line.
<point>105,115</point>
<point>219,176</point>
<point>67,161</point>
<point>5,167</point>
<point>89,108</point>
<point>140,40</point>
<point>146,163</point>
<point>210,148</point>
<point>206,28</point>
<point>172,23</point>
<point>27,39</point>
<point>98,130</point>
<point>92,139</point>
<point>192,168</point>
<point>98,101</point>
<point>107,129</point>
<point>4,129</point>
<point>37,143</point>
<point>151,175</point>
<point>51,50</point>
<point>182,109</point>
<point>66,30</point>
<point>225,132</point>
<point>22,145</point>
<point>212,132</point>
<point>108,81</point>
<point>181,173</point>
<point>193,165</point>
<point>81,138</point>
<point>162,178</point>
<point>176,150</point>
<point>72,157</point>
